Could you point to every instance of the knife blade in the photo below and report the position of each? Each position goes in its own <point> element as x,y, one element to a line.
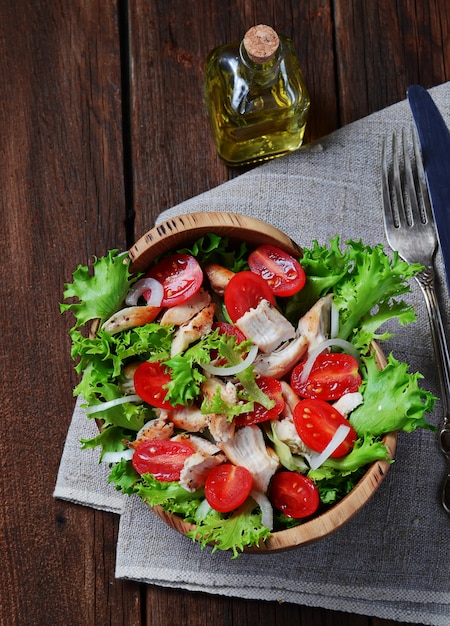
<point>434,138</point>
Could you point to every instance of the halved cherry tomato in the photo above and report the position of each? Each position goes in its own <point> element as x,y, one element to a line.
<point>294,495</point>
<point>244,292</point>
<point>181,277</point>
<point>149,381</point>
<point>331,376</point>
<point>316,422</point>
<point>162,458</point>
<point>271,388</point>
<point>283,273</point>
<point>227,487</point>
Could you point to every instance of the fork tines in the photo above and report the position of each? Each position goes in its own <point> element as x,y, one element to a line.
<point>407,206</point>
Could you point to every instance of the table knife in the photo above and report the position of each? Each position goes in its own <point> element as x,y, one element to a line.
<point>434,138</point>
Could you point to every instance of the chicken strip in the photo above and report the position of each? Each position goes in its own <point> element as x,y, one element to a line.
<point>188,418</point>
<point>312,329</point>
<point>198,326</point>
<point>266,327</point>
<point>218,276</point>
<point>158,428</point>
<point>196,469</point>
<point>315,324</point>
<point>247,448</point>
<point>199,444</point>
<point>280,362</point>
<point>177,315</point>
<point>220,427</point>
<point>130,317</point>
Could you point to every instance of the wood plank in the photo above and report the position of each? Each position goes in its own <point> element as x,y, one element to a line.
<point>382,47</point>
<point>62,200</point>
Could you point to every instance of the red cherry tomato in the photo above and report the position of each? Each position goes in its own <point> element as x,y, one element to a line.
<point>332,376</point>
<point>294,495</point>
<point>149,381</point>
<point>227,487</point>
<point>162,458</point>
<point>244,292</point>
<point>181,277</point>
<point>271,388</point>
<point>283,273</point>
<point>316,422</point>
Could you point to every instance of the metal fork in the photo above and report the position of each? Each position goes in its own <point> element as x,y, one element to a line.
<point>410,230</point>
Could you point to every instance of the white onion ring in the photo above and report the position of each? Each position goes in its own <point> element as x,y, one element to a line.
<point>341,343</point>
<point>334,321</point>
<point>266,508</point>
<point>316,460</point>
<point>202,511</point>
<point>141,288</point>
<point>115,457</point>
<point>234,369</point>
<point>97,408</point>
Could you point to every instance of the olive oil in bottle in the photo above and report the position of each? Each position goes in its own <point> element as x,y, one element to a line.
<point>255,96</point>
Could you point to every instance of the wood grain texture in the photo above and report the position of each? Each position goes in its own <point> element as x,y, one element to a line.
<point>101,119</point>
<point>62,200</point>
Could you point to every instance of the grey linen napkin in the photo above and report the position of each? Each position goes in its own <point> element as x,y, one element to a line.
<point>391,560</point>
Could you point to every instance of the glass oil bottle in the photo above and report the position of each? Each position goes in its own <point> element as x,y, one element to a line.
<point>255,96</point>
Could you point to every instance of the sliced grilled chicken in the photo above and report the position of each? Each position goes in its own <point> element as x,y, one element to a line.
<point>285,427</point>
<point>200,444</point>
<point>218,276</point>
<point>182,313</point>
<point>280,362</point>
<point>220,426</point>
<point>130,317</point>
<point>315,324</point>
<point>158,428</point>
<point>247,448</point>
<point>313,328</point>
<point>196,469</point>
<point>188,418</point>
<point>198,326</point>
<point>266,327</point>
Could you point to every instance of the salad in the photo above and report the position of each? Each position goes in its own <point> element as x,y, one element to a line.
<point>236,387</point>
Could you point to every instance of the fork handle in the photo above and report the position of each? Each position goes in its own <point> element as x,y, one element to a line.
<point>426,282</point>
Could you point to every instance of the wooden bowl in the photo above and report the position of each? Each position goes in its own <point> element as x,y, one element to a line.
<point>178,232</point>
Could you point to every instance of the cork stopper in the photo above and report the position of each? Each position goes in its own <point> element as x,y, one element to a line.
<point>261,43</point>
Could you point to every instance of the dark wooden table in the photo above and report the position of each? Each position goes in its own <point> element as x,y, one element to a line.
<point>101,128</point>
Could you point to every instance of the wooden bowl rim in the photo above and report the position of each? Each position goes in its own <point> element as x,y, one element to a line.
<point>177,231</point>
<point>173,232</point>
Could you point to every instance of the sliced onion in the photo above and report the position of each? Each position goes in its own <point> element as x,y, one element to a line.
<point>234,369</point>
<point>316,460</point>
<point>334,321</point>
<point>97,408</point>
<point>116,457</point>
<point>150,288</point>
<point>202,511</point>
<point>341,343</point>
<point>266,508</point>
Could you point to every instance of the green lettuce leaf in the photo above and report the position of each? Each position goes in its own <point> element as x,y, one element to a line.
<point>101,293</point>
<point>110,440</point>
<point>217,249</point>
<point>124,477</point>
<point>241,529</point>
<point>393,400</point>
